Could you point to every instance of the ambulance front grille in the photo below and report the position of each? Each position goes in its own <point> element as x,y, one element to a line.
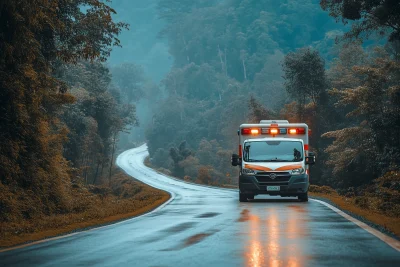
<point>277,177</point>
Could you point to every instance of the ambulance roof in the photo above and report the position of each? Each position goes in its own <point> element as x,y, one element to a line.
<point>285,125</point>
<point>273,139</point>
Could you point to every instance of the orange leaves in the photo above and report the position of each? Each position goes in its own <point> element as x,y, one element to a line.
<point>204,175</point>
<point>29,72</point>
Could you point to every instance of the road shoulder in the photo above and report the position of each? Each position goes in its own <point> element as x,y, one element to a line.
<point>385,224</point>
<point>109,210</point>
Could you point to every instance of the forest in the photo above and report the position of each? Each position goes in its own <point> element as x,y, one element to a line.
<point>67,108</point>
<point>243,61</point>
<point>63,108</point>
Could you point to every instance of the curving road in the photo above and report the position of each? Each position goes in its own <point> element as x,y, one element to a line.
<point>204,226</point>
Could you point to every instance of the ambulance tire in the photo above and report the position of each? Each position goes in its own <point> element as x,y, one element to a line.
<point>303,197</point>
<point>242,197</point>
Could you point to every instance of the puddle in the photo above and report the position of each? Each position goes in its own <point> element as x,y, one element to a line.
<point>297,208</point>
<point>244,216</point>
<point>208,215</point>
<point>195,239</point>
<point>180,227</point>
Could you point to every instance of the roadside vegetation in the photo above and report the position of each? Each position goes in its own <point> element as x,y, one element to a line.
<point>378,204</point>
<point>89,206</point>
<point>62,111</point>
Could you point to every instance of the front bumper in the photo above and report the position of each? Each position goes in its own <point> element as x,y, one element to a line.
<point>293,186</point>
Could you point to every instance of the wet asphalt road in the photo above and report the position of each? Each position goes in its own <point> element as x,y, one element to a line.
<point>204,226</point>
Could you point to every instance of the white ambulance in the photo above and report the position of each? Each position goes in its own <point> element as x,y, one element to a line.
<point>273,159</point>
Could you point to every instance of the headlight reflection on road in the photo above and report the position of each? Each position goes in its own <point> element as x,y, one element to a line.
<point>273,232</point>
<point>276,239</point>
<point>256,255</point>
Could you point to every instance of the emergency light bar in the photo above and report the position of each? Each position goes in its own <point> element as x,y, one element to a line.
<point>273,131</point>
<point>297,131</point>
<point>255,131</point>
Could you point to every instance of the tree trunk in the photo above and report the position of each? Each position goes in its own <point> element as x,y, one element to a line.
<point>85,161</point>
<point>187,54</point>
<point>112,158</point>
<point>220,58</point>
<point>226,65</point>
<point>102,168</point>
<point>97,173</point>
<point>244,70</point>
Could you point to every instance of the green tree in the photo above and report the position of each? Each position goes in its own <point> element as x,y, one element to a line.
<point>305,77</point>
<point>258,112</point>
<point>369,15</point>
<point>130,80</point>
<point>95,119</point>
<point>178,155</point>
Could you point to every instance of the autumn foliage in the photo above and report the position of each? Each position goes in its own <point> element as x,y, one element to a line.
<point>55,104</point>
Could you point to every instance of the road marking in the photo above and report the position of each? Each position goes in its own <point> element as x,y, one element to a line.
<point>385,238</point>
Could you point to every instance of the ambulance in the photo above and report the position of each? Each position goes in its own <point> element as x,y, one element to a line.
<point>273,159</point>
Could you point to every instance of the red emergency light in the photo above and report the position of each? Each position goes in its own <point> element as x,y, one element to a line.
<point>250,131</point>
<point>273,131</point>
<point>297,131</point>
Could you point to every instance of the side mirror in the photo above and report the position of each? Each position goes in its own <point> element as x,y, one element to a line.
<point>235,160</point>
<point>310,160</point>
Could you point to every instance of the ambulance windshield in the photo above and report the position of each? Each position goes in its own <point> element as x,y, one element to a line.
<point>273,151</point>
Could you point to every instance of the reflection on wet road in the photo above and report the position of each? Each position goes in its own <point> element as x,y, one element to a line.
<point>273,241</point>
<point>204,226</point>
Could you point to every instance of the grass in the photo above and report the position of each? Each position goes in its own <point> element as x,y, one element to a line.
<point>94,206</point>
<point>390,223</point>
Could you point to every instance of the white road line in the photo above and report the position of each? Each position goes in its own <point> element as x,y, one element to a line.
<point>385,238</point>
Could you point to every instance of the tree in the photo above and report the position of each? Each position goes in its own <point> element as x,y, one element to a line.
<point>369,16</point>
<point>95,119</point>
<point>305,76</point>
<point>178,155</point>
<point>34,40</point>
<point>258,112</point>
<point>130,80</point>
<point>204,176</point>
<point>372,147</point>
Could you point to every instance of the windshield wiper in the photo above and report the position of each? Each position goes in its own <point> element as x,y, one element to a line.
<point>276,160</point>
<point>269,160</point>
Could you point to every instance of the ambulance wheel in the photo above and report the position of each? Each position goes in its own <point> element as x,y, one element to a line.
<point>242,197</point>
<point>303,197</point>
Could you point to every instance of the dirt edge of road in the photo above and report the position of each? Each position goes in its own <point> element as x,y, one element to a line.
<point>112,212</point>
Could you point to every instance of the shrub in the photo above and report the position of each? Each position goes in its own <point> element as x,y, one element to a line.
<point>322,189</point>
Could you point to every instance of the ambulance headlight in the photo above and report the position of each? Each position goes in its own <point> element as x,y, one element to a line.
<point>298,171</point>
<point>248,172</point>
